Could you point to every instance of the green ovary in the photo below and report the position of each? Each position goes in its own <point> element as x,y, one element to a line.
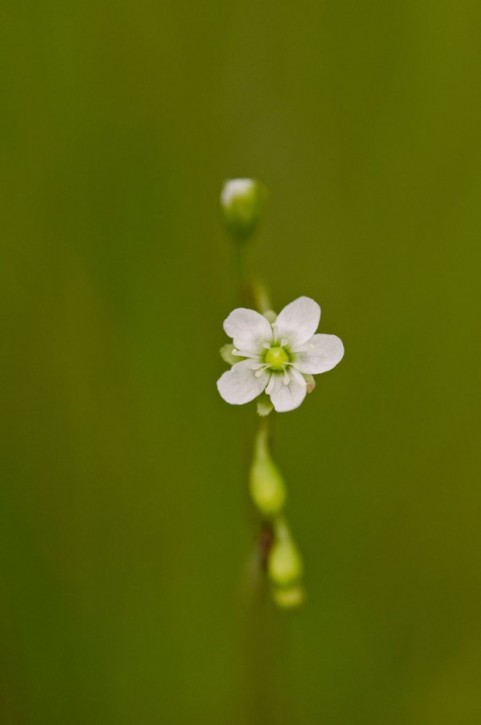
<point>276,358</point>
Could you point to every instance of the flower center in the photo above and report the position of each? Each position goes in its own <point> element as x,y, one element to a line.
<point>276,358</point>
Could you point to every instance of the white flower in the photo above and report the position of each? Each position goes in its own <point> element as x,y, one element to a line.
<point>277,356</point>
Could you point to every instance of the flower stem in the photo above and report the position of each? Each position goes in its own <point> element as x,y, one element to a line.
<point>241,273</point>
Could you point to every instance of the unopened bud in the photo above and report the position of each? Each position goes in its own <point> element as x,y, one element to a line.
<point>285,563</point>
<point>267,486</point>
<point>242,201</point>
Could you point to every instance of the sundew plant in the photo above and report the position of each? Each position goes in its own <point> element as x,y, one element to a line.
<point>273,359</point>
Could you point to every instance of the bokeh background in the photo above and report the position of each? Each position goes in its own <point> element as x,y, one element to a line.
<point>124,520</point>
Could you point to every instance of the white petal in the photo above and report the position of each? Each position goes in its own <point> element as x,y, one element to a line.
<point>287,397</point>
<point>234,188</point>
<point>248,328</point>
<point>240,384</point>
<point>319,355</point>
<point>298,321</point>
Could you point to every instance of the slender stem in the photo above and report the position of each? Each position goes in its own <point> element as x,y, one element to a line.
<point>262,438</point>
<point>259,664</point>
<point>241,272</point>
<point>256,614</point>
<point>261,297</point>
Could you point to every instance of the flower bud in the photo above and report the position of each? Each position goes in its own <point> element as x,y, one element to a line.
<point>284,564</point>
<point>242,201</point>
<point>267,487</point>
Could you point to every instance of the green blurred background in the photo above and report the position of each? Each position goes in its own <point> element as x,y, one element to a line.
<point>124,521</point>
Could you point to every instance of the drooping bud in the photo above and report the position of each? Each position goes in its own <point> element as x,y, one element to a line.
<point>267,487</point>
<point>242,201</point>
<point>284,564</point>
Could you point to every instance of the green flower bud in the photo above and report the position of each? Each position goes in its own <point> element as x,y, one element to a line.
<point>289,597</point>
<point>284,564</point>
<point>267,487</point>
<point>242,201</point>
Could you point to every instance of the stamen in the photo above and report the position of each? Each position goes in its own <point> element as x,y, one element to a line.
<point>270,385</point>
<point>245,353</point>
